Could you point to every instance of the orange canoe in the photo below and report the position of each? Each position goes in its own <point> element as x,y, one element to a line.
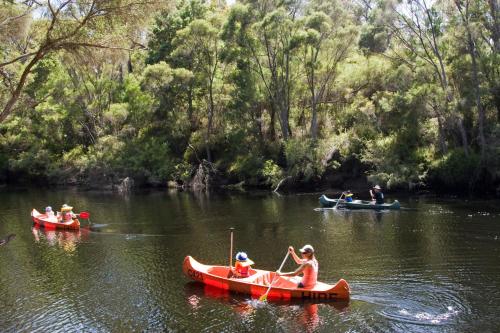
<point>258,282</point>
<point>51,222</point>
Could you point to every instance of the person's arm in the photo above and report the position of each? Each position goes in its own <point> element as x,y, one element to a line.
<point>373,196</point>
<point>295,257</point>
<point>294,273</point>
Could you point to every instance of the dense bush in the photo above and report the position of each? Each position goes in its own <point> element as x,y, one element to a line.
<point>256,94</point>
<point>455,171</point>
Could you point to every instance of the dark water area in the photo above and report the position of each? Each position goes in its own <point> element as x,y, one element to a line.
<point>434,268</point>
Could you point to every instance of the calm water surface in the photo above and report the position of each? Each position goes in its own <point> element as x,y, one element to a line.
<point>433,269</point>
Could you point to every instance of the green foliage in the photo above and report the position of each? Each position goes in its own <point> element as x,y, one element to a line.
<point>246,166</point>
<point>455,170</point>
<point>302,159</point>
<point>272,173</point>
<point>262,90</point>
<point>183,172</point>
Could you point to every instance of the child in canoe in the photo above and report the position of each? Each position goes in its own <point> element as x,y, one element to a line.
<point>49,212</point>
<point>242,265</point>
<point>66,214</point>
<point>308,267</point>
<point>348,196</point>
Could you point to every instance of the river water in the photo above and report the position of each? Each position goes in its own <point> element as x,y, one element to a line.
<point>433,268</point>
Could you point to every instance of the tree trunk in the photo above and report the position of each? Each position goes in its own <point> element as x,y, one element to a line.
<point>495,28</point>
<point>210,120</point>
<point>272,128</point>
<point>129,64</point>
<point>476,89</point>
<point>314,120</point>
<point>190,108</point>
<point>20,85</point>
<point>441,137</point>
<point>463,135</point>
<point>284,121</point>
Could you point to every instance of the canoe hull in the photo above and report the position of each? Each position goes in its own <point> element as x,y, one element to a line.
<point>43,221</point>
<point>257,284</point>
<point>357,204</point>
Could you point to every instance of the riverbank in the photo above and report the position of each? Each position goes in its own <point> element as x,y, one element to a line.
<point>359,192</point>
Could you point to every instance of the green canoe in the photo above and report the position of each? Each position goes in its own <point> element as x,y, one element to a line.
<point>357,204</point>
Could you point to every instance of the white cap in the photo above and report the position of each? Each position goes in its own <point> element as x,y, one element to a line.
<point>307,249</point>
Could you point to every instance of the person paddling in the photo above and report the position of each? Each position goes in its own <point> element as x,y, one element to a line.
<point>67,214</point>
<point>377,195</point>
<point>308,267</point>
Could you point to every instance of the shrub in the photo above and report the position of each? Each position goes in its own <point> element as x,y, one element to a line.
<point>302,159</point>
<point>455,170</point>
<point>395,164</point>
<point>246,166</point>
<point>272,173</point>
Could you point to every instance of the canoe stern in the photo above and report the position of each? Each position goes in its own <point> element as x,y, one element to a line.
<point>326,202</point>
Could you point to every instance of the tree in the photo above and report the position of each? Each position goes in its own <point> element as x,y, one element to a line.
<point>200,41</point>
<point>327,39</point>
<point>71,26</point>
<point>465,13</point>
<point>419,28</point>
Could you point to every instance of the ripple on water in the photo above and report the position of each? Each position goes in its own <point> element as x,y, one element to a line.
<point>413,302</point>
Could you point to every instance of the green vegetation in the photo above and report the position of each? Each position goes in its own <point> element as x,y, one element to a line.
<point>406,93</point>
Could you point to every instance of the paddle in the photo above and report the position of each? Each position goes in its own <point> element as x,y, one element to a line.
<point>263,298</point>
<point>230,273</point>
<point>338,201</point>
<point>84,215</point>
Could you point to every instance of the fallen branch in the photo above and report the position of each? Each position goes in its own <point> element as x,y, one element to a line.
<point>280,183</point>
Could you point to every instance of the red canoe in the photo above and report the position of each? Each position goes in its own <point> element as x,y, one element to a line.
<point>52,222</point>
<point>258,282</point>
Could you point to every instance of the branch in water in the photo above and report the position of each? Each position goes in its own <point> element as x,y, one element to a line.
<point>281,182</point>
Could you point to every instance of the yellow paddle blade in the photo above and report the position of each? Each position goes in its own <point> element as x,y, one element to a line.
<point>263,298</point>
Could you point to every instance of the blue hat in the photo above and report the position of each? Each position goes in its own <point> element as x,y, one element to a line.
<point>241,256</point>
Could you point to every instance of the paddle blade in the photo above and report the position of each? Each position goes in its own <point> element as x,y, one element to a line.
<point>263,298</point>
<point>84,215</point>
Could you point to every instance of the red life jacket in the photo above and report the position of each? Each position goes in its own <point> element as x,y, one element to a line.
<point>241,269</point>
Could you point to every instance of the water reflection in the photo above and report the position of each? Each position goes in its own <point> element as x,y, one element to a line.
<point>65,239</point>
<point>305,314</point>
<point>434,269</point>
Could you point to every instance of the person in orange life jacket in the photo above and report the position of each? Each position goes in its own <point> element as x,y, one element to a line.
<point>242,265</point>
<point>348,196</point>
<point>377,195</point>
<point>67,214</point>
<point>308,267</point>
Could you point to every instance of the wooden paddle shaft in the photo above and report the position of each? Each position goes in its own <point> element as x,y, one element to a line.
<point>339,200</point>
<point>274,279</point>
<point>231,249</point>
